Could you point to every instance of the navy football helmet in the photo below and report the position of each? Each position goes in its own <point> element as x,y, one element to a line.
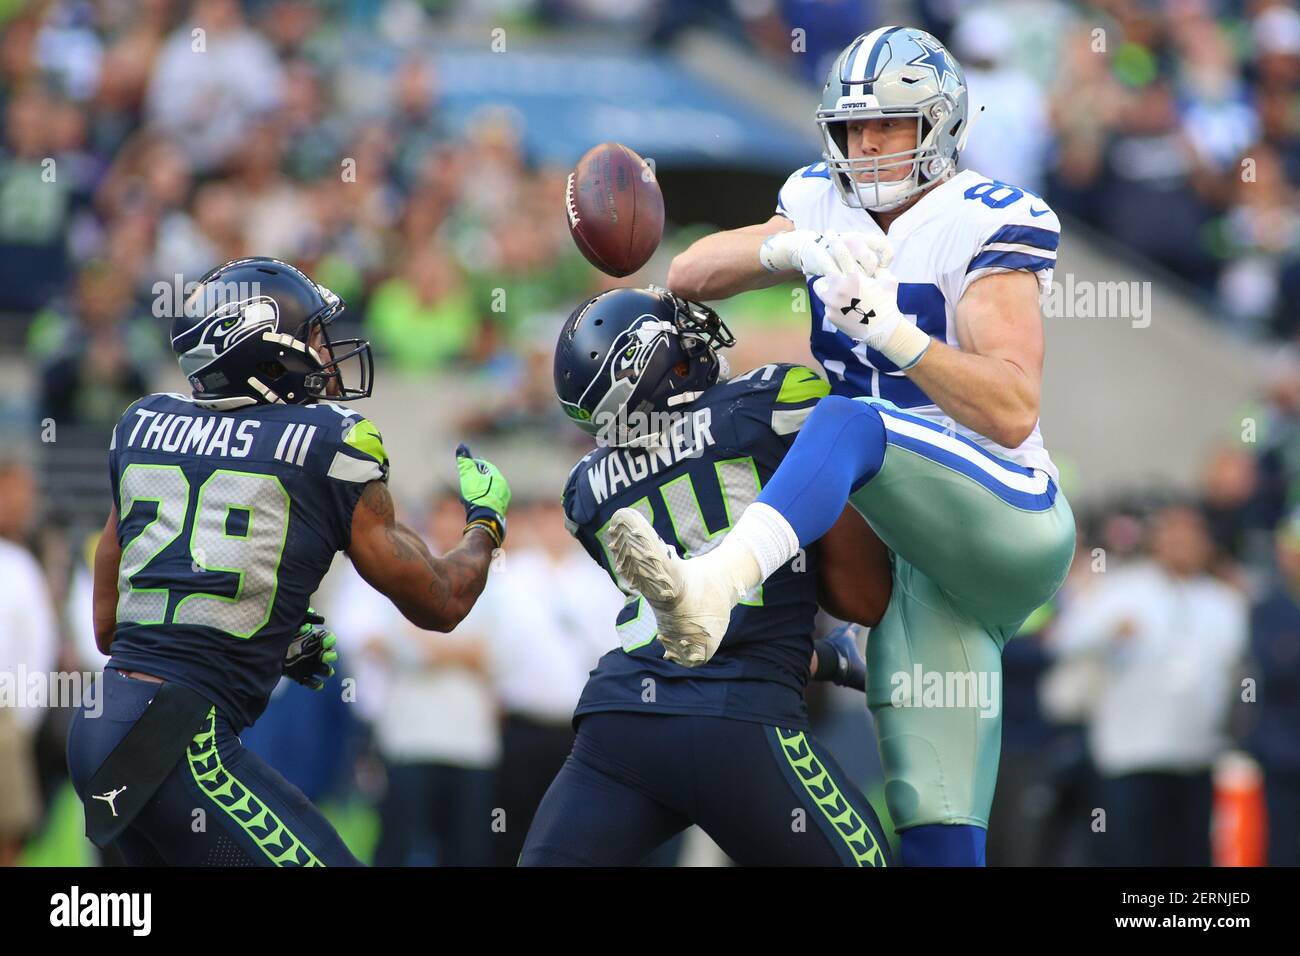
<point>256,331</point>
<point>627,353</point>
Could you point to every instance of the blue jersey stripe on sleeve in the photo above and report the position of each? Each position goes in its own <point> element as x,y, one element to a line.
<point>1010,260</point>
<point>1027,236</point>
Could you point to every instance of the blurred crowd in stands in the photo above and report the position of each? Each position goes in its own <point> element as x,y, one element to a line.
<point>1172,128</point>
<point>130,160</point>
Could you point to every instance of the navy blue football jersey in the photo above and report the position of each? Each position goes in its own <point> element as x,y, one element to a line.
<point>227,521</point>
<point>718,456</point>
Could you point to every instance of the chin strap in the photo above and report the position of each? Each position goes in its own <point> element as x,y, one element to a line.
<point>225,404</point>
<point>271,397</point>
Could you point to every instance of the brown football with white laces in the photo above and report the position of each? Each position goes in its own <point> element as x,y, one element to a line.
<point>615,209</point>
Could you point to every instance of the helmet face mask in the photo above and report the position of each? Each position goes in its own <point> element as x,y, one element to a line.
<point>255,331</point>
<point>629,360</point>
<point>329,380</point>
<point>897,73</point>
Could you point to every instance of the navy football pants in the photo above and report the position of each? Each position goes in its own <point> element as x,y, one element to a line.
<point>221,805</point>
<point>766,795</point>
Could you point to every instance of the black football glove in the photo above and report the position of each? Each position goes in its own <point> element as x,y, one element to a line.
<point>311,656</point>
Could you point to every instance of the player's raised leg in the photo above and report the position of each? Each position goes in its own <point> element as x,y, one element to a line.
<point>995,534</point>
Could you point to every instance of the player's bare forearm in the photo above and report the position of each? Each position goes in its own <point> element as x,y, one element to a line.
<point>726,263</point>
<point>992,383</point>
<point>988,394</point>
<point>432,592</point>
<point>108,554</point>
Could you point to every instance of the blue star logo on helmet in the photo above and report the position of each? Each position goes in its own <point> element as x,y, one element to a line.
<point>904,74</point>
<point>935,59</point>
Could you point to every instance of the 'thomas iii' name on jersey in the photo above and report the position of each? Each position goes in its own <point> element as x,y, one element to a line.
<point>227,521</point>
<point>693,488</point>
<point>959,231</point>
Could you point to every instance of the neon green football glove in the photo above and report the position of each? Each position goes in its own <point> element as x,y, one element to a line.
<point>484,493</point>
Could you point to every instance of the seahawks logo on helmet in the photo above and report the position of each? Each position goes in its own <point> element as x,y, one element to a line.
<point>631,362</point>
<point>623,368</point>
<point>630,352</point>
<point>227,326</point>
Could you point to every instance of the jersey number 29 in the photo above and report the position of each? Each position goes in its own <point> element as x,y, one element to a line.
<point>253,555</point>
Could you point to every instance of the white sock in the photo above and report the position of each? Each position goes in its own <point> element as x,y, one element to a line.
<point>760,543</point>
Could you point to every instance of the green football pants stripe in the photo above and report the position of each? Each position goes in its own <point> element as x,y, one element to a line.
<point>848,824</point>
<point>239,803</point>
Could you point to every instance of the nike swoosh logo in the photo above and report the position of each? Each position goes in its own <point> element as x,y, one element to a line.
<point>1038,212</point>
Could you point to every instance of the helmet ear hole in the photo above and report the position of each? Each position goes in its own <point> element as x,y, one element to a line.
<point>272,370</point>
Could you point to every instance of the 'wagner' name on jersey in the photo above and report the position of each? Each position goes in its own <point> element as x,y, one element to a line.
<point>691,488</point>
<point>687,437</point>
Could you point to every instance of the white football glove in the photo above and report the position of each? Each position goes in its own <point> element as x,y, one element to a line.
<point>862,302</point>
<point>810,252</point>
<point>870,252</point>
<point>824,253</point>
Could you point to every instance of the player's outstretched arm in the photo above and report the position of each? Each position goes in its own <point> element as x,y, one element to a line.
<point>433,593</point>
<point>108,554</point>
<point>724,264</point>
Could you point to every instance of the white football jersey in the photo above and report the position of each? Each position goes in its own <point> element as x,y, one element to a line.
<point>961,230</point>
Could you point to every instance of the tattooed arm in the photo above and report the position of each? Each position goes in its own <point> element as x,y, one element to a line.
<point>432,593</point>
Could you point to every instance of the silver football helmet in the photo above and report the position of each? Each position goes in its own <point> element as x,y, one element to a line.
<point>898,72</point>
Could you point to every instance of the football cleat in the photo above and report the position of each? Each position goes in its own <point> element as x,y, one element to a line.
<point>693,609</point>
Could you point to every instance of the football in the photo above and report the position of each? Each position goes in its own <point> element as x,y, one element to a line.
<point>615,209</point>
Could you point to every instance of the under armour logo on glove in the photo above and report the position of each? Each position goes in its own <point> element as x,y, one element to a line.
<point>853,306</point>
<point>869,292</point>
